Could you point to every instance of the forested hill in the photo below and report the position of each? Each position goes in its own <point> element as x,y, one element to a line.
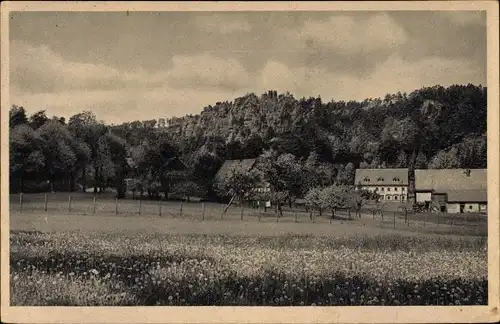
<point>433,127</point>
<point>445,127</point>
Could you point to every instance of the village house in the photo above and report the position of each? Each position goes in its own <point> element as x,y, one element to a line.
<point>452,190</point>
<point>174,169</point>
<point>389,184</point>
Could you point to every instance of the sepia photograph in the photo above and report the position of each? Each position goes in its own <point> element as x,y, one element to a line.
<point>281,157</point>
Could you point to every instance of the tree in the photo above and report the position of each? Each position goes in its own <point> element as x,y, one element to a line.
<point>237,183</point>
<point>284,174</point>
<point>402,160</point>
<point>17,116</point>
<point>57,150</point>
<point>421,161</point>
<point>315,173</point>
<point>314,200</point>
<point>38,119</point>
<point>445,160</point>
<point>116,154</point>
<point>253,146</point>
<point>205,167</point>
<point>337,197</point>
<point>25,154</point>
<point>189,189</point>
<point>85,127</point>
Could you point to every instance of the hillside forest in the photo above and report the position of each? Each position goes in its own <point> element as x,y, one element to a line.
<point>312,142</point>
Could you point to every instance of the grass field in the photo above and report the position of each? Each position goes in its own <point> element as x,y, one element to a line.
<point>74,258</point>
<point>106,206</point>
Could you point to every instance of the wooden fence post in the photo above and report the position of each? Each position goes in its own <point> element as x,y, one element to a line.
<point>159,207</point>
<point>221,211</point>
<point>296,217</point>
<point>116,206</point>
<point>452,219</point>
<point>394,221</point>
<point>94,203</point>
<point>21,201</point>
<point>260,213</point>
<point>180,213</point>
<point>69,203</point>
<point>425,218</point>
<point>140,205</point>
<point>46,202</point>
<point>203,211</point>
<point>241,215</point>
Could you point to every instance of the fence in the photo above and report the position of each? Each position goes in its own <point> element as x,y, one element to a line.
<point>96,205</point>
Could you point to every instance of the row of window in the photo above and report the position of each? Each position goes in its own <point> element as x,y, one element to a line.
<point>380,179</point>
<point>389,189</point>
<point>393,197</point>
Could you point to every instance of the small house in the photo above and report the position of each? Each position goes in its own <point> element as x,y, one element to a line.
<point>467,201</point>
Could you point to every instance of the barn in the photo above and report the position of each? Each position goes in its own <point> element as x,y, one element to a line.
<point>452,190</point>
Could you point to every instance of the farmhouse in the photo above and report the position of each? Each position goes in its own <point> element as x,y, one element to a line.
<point>390,184</point>
<point>452,190</point>
<point>174,170</point>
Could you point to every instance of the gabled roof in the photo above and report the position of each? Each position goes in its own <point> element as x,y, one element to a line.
<point>468,196</point>
<point>445,180</point>
<point>177,164</point>
<point>381,177</point>
<point>246,164</point>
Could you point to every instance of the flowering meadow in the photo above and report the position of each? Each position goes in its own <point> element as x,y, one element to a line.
<point>125,268</point>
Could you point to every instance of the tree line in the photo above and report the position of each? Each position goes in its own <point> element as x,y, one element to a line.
<point>434,127</point>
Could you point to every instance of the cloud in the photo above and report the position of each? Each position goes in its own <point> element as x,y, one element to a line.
<point>393,75</point>
<point>40,69</point>
<point>205,70</point>
<point>222,25</point>
<point>42,79</point>
<point>346,35</point>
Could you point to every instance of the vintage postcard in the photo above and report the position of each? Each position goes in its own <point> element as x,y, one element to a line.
<point>250,162</point>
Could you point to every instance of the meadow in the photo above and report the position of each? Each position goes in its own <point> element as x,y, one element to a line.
<point>78,268</point>
<point>70,258</point>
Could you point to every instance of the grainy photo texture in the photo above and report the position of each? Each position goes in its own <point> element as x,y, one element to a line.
<point>287,158</point>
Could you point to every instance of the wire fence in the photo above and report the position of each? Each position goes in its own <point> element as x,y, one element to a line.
<point>102,205</point>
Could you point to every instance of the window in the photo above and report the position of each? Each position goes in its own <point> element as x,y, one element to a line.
<point>395,179</point>
<point>366,179</point>
<point>403,189</point>
<point>380,179</point>
<point>470,207</point>
<point>396,189</point>
<point>388,197</point>
<point>403,198</point>
<point>388,189</point>
<point>382,189</point>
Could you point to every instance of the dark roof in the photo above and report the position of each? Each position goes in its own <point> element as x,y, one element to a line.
<point>247,165</point>
<point>176,164</point>
<point>381,177</point>
<point>467,196</point>
<point>446,180</point>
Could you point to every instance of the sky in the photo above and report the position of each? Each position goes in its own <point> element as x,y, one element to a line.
<point>149,65</point>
